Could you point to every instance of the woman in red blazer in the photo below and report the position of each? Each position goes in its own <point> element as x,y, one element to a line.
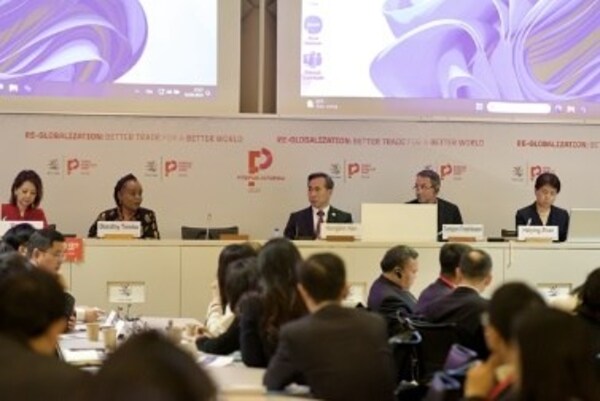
<point>25,197</point>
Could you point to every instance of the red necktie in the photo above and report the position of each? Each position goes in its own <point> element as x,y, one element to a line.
<point>319,222</point>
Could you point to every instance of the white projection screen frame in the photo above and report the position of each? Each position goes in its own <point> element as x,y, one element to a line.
<point>386,59</point>
<point>195,74</point>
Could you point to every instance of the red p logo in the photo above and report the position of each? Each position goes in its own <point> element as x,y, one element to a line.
<point>170,167</point>
<point>254,160</point>
<point>72,164</point>
<point>353,168</point>
<point>534,171</point>
<point>445,170</point>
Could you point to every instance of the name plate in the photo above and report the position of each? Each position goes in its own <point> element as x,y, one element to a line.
<point>340,230</point>
<point>119,229</point>
<point>463,231</point>
<point>6,225</point>
<point>538,233</point>
<point>126,292</point>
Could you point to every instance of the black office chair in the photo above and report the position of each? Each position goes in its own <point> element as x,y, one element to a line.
<point>436,341</point>
<point>207,232</point>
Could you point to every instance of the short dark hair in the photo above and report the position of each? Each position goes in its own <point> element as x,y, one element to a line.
<point>120,184</point>
<point>229,254</point>
<point>32,177</point>
<point>18,235</point>
<point>150,367</point>
<point>434,177</point>
<point>13,260</point>
<point>507,302</point>
<point>43,240</point>
<point>30,301</point>
<point>242,277</point>
<point>329,184</point>
<point>450,256</point>
<point>323,276</point>
<point>550,179</point>
<point>397,256</point>
<point>476,264</point>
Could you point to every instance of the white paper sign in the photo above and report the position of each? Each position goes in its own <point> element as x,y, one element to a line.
<point>538,233</point>
<point>463,230</point>
<point>124,292</point>
<point>6,225</point>
<point>341,229</point>
<point>119,228</point>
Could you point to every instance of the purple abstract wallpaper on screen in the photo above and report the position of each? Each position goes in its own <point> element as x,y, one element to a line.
<point>516,50</point>
<point>69,41</point>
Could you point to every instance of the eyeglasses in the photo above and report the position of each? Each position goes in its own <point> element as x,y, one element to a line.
<point>422,187</point>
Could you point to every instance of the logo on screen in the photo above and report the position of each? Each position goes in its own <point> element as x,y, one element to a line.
<point>448,170</point>
<point>176,168</point>
<point>79,166</point>
<point>53,167</point>
<point>536,170</point>
<point>259,160</point>
<point>313,24</point>
<point>348,170</point>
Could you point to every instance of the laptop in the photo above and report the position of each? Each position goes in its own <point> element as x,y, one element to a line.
<point>584,225</point>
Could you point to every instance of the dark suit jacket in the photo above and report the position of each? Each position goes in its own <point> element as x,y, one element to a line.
<point>464,307</point>
<point>341,353</point>
<point>389,300</point>
<point>558,217</point>
<point>301,224</point>
<point>224,344</point>
<point>26,375</point>
<point>434,291</point>
<point>448,213</point>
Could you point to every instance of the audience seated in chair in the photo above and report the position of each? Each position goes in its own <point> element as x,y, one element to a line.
<point>554,357</point>
<point>150,367</point>
<point>390,294</point>
<point>278,302</point>
<point>219,314</point>
<point>450,255</point>
<point>241,278</point>
<point>341,353</point>
<point>494,379</point>
<point>465,305</point>
<point>32,306</point>
<point>589,307</point>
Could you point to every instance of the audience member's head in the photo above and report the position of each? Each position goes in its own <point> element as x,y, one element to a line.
<point>506,304</point>
<point>322,278</point>
<point>32,307</point>
<point>400,265</point>
<point>11,261</point>
<point>46,249</point>
<point>18,236</point>
<point>277,262</point>
<point>149,367</point>
<point>27,190</point>
<point>450,255</point>
<point>555,361</point>
<point>475,269</point>
<point>229,254</point>
<point>589,295</point>
<point>242,277</point>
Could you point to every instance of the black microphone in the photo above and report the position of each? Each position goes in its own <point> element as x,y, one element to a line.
<point>208,220</point>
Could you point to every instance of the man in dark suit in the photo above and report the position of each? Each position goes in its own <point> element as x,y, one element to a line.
<point>32,305</point>
<point>427,186</point>
<point>390,295</point>
<point>450,256</point>
<point>341,353</point>
<point>464,306</point>
<point>306,223</point>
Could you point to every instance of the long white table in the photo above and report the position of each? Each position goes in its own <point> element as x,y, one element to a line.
<point>177,274</point>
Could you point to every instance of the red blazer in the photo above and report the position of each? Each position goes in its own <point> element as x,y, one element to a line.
<point>11,213</point>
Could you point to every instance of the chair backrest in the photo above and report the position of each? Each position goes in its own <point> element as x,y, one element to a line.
<point>207,232</point>
<point>436,341</point>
